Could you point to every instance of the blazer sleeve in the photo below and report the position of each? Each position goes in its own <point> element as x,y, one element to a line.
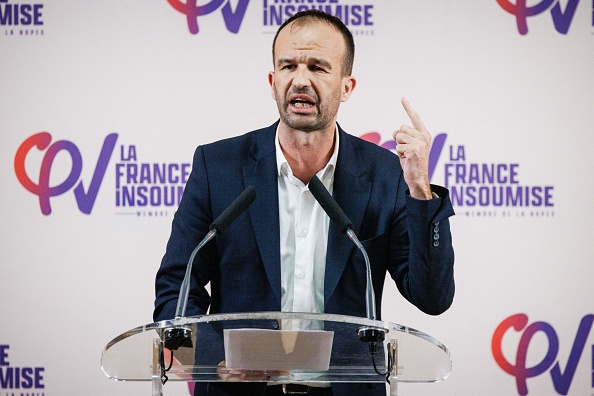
<point>421,252</point>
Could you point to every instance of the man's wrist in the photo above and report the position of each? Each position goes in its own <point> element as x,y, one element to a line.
<point>422,192</point>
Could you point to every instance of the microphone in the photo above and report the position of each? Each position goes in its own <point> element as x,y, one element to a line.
<point>237,207</point>
<point>343,223</point>
<point>180,336</point>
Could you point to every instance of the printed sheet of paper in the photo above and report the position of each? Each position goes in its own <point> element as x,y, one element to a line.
<point>262,349</point>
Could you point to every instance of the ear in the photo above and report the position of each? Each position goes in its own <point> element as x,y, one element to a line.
<point>271,82</point>
<point>348,85</point>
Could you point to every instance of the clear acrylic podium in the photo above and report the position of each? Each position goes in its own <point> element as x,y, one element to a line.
<point>139,354</point>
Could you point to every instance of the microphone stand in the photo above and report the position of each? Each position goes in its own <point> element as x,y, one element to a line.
<point>337,215</point>
<point>367,334</point>
<point>181,336</point>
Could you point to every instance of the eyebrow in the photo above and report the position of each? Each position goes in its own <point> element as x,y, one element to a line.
<point>315,61</point>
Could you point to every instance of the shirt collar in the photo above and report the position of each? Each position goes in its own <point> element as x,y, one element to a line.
<point>327,172</point>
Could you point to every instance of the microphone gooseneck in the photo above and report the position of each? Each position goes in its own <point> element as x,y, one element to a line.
<point>221,223</point>
<point>180,336</point>
<point>337,215</point>
<point>369,334</point>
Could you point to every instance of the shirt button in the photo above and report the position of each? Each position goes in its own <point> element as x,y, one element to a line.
<point>302,233</point>
<point>300,275</point>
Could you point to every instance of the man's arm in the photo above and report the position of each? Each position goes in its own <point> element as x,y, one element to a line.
<point>427,278</point>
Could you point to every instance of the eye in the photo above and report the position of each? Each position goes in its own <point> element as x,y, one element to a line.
<point>287,67</point>
<point>316,68</point>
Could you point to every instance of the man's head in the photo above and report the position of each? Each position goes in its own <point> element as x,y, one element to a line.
<point>312,70</point>
<point>309,16</point>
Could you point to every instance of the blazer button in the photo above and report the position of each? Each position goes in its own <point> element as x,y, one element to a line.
<point>436,236</point>
<point>436,243</point>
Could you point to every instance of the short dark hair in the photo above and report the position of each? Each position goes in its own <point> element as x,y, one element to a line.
<point>307,16</point>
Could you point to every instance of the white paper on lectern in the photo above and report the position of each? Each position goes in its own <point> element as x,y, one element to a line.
<point>262,349</point>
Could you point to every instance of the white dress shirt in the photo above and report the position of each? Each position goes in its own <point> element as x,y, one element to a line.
<point>303,238</point>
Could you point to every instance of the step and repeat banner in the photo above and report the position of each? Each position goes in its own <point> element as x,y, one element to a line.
<point>102,105</point>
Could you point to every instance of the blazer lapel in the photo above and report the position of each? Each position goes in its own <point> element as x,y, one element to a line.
<point>264,211</point>
<point>351,191</point>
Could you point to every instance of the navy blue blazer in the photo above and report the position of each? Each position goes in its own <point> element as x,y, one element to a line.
<point>407,238</point>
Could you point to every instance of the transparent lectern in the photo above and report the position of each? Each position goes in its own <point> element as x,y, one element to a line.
<point>282,347</point>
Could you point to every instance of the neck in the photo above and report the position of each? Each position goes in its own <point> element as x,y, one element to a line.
<point>307,152</point>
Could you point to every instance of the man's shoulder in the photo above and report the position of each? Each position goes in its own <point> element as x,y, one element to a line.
<point>246,140</point>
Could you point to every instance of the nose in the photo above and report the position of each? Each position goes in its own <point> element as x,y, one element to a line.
<point>301,78</point>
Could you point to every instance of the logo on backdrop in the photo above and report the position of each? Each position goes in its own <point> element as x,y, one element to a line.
<point>141,189</point>
<point>21,18</point>
<point>231,17</point>
<point>518,369</point>
<point>22,378</point>
<point>358,17</point>
<point>144,189</point>
<point>561,17</point>
<point>493,185</point>
<point>84,198</point>
<point>482,189</point>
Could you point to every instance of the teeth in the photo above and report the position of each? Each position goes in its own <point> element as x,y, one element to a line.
<point>302,104</point>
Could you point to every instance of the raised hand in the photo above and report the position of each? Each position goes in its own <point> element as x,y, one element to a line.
<point>414,144</point>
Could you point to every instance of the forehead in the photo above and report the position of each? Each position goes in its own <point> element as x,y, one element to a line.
<point>310,37</point>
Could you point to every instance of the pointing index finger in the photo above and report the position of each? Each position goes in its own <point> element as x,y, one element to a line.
<point>414,117</point>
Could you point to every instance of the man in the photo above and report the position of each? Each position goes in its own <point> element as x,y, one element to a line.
<point>283,255</point>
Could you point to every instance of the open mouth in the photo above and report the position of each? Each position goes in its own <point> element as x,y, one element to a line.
<point>302,103</point>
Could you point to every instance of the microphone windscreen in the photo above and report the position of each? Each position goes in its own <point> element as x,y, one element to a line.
<point>329,205</point>
<point>237,207</point>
